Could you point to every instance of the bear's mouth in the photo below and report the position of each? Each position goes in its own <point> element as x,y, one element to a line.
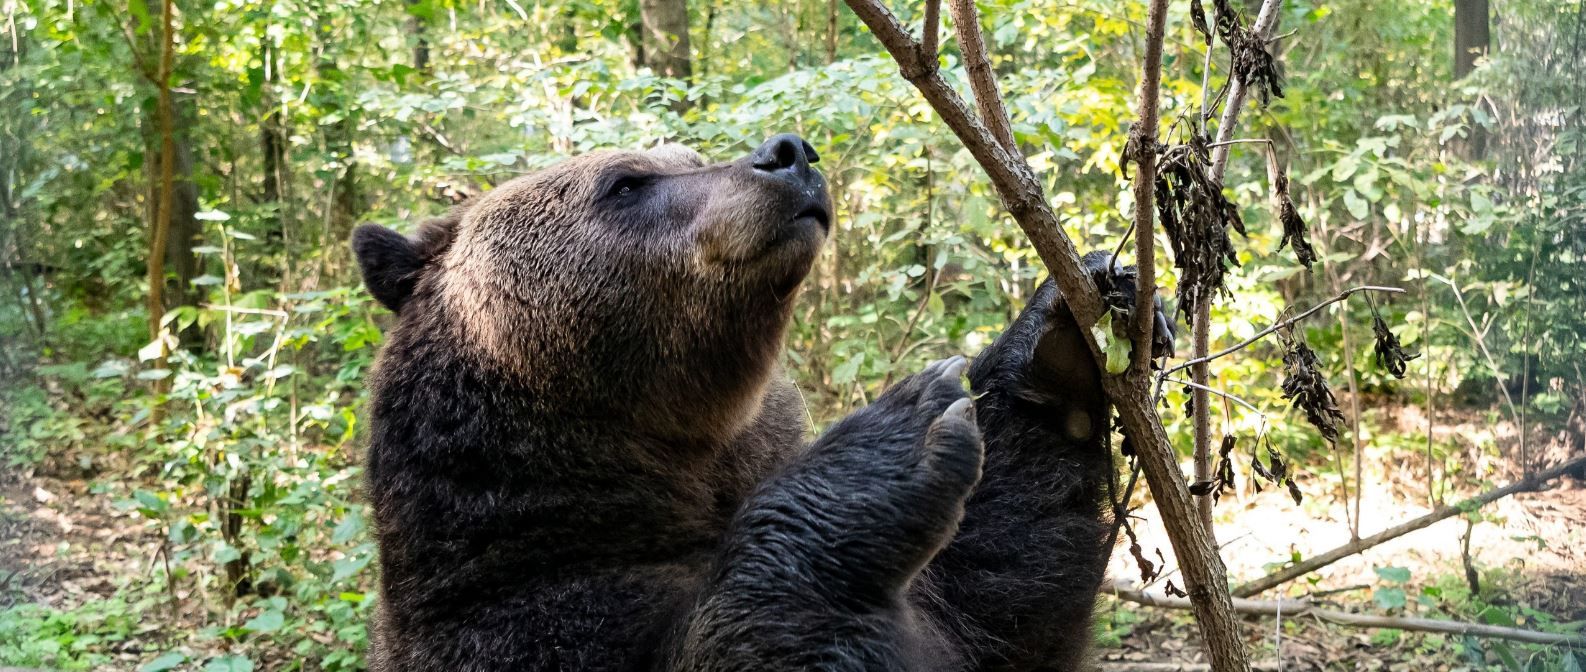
<point>819,214</point>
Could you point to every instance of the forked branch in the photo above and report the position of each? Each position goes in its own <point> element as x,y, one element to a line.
<point>1023,196</point>
<point>982,79</point>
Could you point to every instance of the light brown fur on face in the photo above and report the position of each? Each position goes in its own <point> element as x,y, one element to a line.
<point>677,290</point>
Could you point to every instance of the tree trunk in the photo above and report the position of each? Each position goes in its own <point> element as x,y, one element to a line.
<point>1472,36</point>
<point>664,37</point>
<point>173,196</point>
<point>178,264</point>
<point>831,31</point>
<point>419,29</point>
<point>1472,39</point>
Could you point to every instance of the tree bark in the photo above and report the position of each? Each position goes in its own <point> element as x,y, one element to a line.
<point>664,35</point>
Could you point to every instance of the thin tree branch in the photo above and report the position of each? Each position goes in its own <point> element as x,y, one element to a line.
<point>1238,141</point>
<point>1022,194</point>
<point>1290,608</point>
<point>1144,142</point>
<point>930,33</point>
<point>1279,325</point>
<point>982,79</point>
<point>1316,562</point>
<point>1220,393</point>
<point>1200,337</point>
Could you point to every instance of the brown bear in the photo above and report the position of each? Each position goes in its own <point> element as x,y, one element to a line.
<point>585,457</point>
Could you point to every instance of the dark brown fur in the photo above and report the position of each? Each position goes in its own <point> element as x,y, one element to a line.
<point>585,458</point>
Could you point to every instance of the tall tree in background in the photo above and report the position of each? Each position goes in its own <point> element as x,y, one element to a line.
<point>664,37</point>
<point>173,199</point>
<point>1472,39</point>
<point>418,14</point>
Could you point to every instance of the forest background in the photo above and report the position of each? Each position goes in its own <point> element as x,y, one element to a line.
<point>180,457</point>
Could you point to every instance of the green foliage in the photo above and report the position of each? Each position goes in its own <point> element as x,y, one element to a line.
<point>237,454</point>
<point>80,639</point>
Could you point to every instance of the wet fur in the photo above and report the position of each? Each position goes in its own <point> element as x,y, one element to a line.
<point>583,457</point>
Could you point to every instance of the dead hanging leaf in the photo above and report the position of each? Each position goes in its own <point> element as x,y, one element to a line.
<point>1280,470</point>
<point>1223,477</point>
<point>1277,473</point>
<point>1304,385</point>
<point>1294,231</point>
<point>1196,216</point>
<point>1294,490</point>
<point>1390,354</point>
<point>1148,570</point>
<point>1173,590</point>
<point>1253,64</point>
<point>1225,468</point>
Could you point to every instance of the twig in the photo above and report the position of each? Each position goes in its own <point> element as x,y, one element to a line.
<point>1316,562</point>
<point>1279,325</point>
<point>1220,393</point>
<point>1240,141</point>
<point>982,80</point>
<point>1300,607</point>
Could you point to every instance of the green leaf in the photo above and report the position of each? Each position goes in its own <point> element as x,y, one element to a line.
<point>1389,598</point>
<point>848,370</point>
<point>1393,574</point>
<point>229,664</point>
<point>165,661</point>
<point>140,11</point>
<point>346,567</point>
<point>1116,348</point>
<point>1570,663</point>
<point>1357,206</point>
<point>348,528</point>
<point>211,216</point>
<point>150,501</point>
<point>268,620</point>
<point>1345,168</point>
<point>226,553</point>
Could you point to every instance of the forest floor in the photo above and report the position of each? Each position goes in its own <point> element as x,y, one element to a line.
<point>65,543</point>
<point>1529,552</point>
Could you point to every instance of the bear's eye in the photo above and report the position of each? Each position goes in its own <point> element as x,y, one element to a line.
<point>625,187</point>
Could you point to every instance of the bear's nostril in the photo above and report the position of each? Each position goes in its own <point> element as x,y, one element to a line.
<point>783,152</point>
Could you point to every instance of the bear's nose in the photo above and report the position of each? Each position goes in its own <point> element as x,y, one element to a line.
<point>785,152</point>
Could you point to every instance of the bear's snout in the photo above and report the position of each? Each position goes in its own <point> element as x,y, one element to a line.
<point>786,158</point>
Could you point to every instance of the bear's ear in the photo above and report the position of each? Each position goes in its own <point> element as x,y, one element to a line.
<point>390,263</point>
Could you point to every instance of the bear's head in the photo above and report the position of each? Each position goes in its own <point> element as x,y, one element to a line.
<point>644,286</point>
